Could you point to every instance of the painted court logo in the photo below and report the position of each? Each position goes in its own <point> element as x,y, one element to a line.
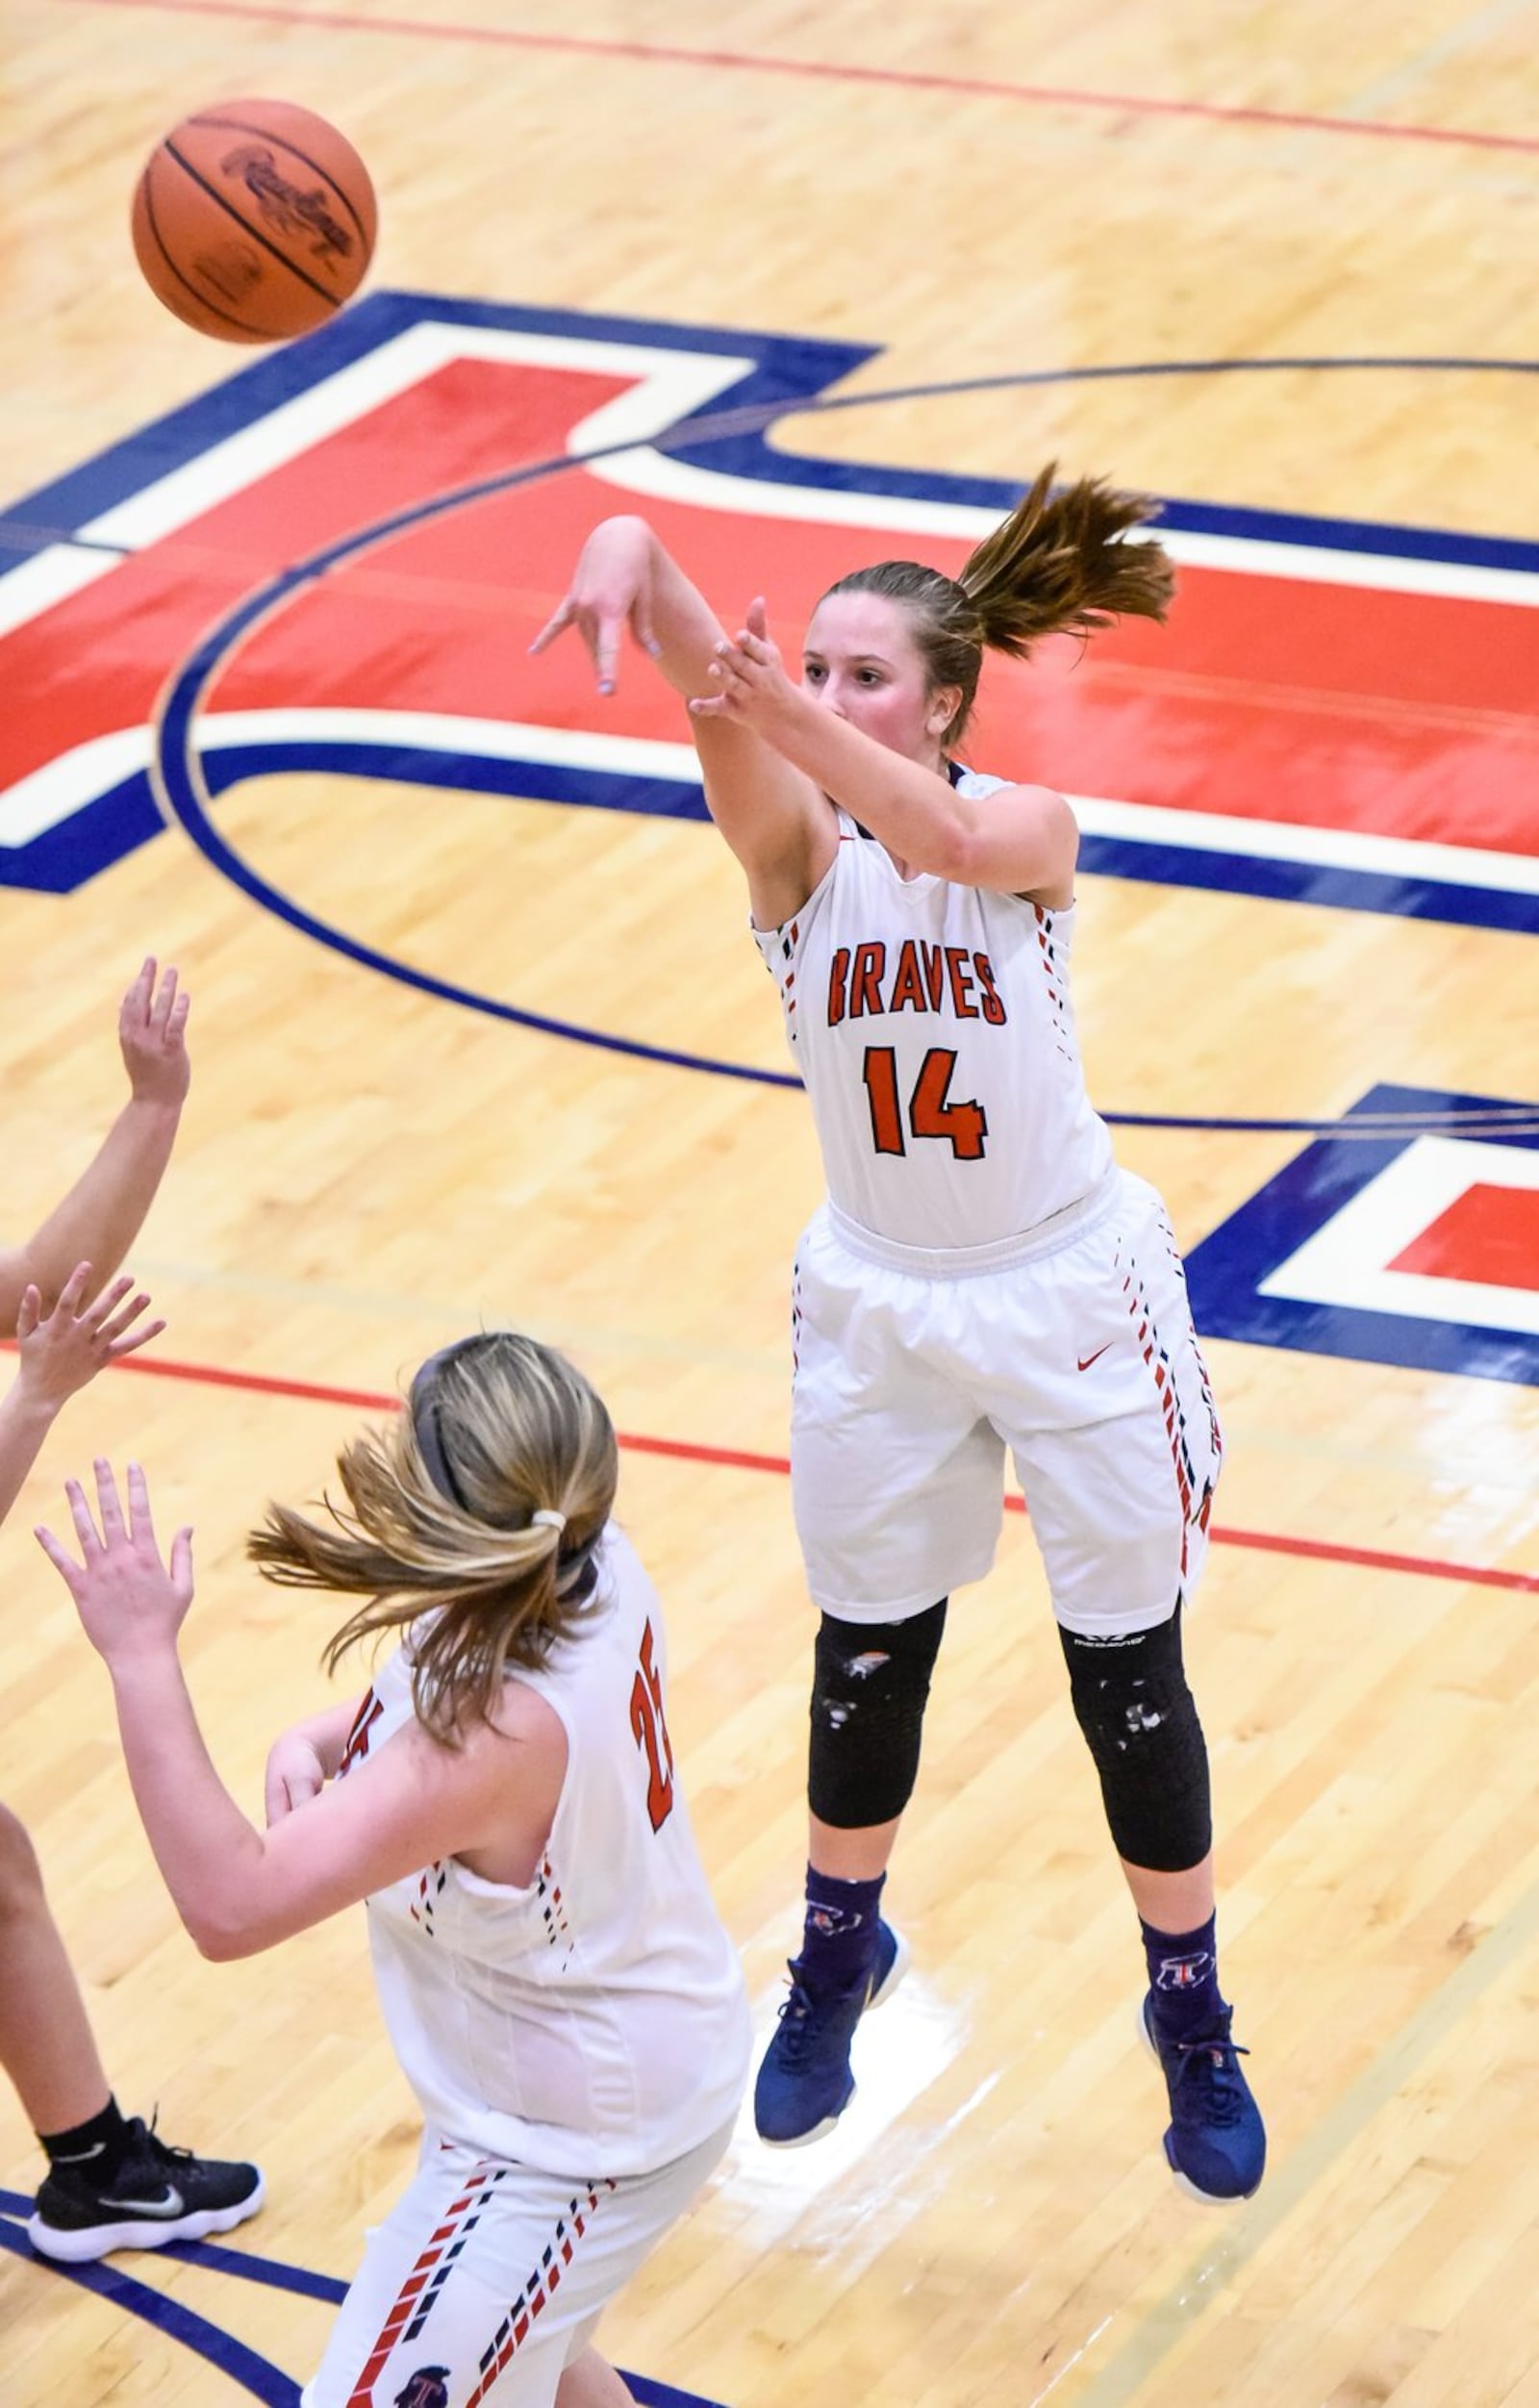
<point>1411,1237</point>
<point>337,558</point>
<point>335,561</point>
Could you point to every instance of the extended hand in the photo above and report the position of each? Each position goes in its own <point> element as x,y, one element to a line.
<point>61,1350</point>
<point>129,1602</point>
<point>748,679</point>
<point>152,1031</point>
<point>610,590</point>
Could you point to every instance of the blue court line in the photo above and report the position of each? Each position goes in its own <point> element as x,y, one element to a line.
<point>254,2373</point>
<point>186,795</point>
<point>788,374</point>
<point>258,2375</point>
<point>245,2262</point>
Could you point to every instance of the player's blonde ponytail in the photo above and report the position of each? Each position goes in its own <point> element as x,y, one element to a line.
<point>439,1530</point>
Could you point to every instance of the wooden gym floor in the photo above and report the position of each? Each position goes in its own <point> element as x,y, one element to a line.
<point>371,1162</point>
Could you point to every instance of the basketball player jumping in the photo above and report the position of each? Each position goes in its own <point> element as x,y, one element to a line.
<point>982,1277</point>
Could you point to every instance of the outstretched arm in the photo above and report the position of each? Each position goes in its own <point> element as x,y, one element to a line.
<point>1021,840</point>
<point>100,1217</point>
<point>775,818</point>
<point>239,1890</point>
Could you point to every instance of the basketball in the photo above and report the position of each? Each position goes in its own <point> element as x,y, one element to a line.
<point>254,221</point>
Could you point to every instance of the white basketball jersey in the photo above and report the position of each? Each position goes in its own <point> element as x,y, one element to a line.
<point>595,2023</point>
<point>933,1029</point>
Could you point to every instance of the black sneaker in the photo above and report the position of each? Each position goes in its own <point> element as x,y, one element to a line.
<point>157,2195</point>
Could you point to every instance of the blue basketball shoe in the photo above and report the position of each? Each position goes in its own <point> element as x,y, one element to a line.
<point>805,2083</point>
<point>1217,2142</point>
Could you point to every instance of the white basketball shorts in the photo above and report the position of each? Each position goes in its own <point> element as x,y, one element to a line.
<point>1072,1349</point>
<point>486,2279</point>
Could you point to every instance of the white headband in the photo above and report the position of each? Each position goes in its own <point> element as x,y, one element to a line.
<point>549,1518</point>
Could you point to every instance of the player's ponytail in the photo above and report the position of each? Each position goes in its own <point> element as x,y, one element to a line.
<point>1057,565</point>
<point>471,1522</point>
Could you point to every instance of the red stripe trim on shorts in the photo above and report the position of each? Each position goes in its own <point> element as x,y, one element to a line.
<point>540,2285</point>
<point>461,2215</point>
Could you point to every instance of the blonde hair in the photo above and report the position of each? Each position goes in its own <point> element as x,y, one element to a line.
<point>1057,565</point>
<point>437,1533</point>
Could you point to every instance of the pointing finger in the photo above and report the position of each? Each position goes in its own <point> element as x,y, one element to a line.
<point>553,628</point>
<point>606,651</point>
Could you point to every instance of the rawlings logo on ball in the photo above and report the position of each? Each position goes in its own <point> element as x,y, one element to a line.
<point>284,206</point>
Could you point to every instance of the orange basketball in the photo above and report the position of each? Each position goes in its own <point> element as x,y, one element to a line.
<point>254,221</point>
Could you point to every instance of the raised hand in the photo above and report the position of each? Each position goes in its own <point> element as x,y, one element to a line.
<point>152,1031</point>
<point>750,685</point>
<point>130,1603</point>
<point>610,590</point>
<point>61,1351</point>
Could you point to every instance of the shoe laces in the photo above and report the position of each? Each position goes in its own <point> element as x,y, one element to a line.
<point>803,2025</point>
<point>159,2152</point>
<point>795,2015</point>
<point>1210,2061</point>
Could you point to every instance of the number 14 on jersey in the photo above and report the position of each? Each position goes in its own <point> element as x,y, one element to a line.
<point>963,1127</point>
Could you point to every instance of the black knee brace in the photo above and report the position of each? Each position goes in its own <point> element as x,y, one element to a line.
<point>1134,1708</point>
<point>870,1680</point>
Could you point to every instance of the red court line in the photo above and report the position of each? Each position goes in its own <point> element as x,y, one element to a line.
<point>737,1459</point>
<point>1041,95</point>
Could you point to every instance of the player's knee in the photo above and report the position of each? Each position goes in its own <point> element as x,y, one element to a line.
<point>1140,1720</point>
<point>871,1682</point>
<point>20,1874</point>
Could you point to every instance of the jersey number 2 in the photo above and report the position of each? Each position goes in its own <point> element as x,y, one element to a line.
<point>929,1115</point>
<point>650,1727</point>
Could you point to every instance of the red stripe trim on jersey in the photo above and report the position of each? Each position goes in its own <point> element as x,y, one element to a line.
<point>1047,960</point>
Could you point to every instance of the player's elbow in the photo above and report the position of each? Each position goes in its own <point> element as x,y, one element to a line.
<point>220,1936</point>
<point>956,853</point>
<point>1021,857</point>
<point>216,1944</point>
